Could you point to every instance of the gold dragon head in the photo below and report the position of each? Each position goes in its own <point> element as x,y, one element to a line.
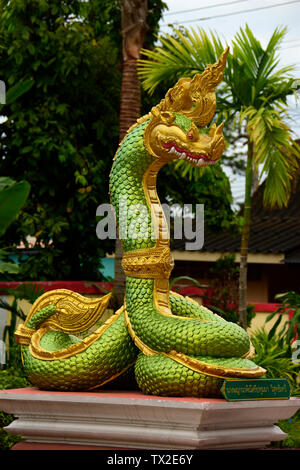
<point>174,130</point>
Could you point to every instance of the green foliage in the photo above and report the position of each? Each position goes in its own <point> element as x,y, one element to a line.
<point>29,292</point>
<point>105,18</point>
<point>290,304</point>
<point>12,377</point>
<point>13,196</point>
<point>292,428</point>
<point>252,98</point>
<point>7,440</point>
<point>184,53</point>
<point>61,135</point>
<point>274,356</point>
<point>18,90</point>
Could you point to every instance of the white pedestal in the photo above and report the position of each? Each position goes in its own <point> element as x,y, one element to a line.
<point>131,420</point>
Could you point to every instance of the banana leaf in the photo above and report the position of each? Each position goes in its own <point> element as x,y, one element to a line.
<point>18,90</point>
<point>12,200</point>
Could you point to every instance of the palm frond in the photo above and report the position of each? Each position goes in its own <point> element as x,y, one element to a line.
<point>183,54</point>
<point>274,356</point>
<point>253,92</point>
<point>187,170</point>
<point>256,72</point>
<point>274,151</point>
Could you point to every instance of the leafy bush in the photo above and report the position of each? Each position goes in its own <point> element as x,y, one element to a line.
<point>292,428</point>
<point>13,196</point>
<point>290,304</point>
<point>274,357</point>
<point>13,375</point>
<point>10,378</point>
<point>62,133</point>
<point>7,440</point>
<point>26,291</point>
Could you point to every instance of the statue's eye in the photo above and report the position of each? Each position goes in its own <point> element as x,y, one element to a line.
<point>193,133</point>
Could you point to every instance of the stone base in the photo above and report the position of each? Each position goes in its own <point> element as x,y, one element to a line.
<point>131,420</point>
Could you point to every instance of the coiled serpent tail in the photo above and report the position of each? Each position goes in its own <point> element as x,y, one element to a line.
<point>55,359</point>
<point>178,347</point>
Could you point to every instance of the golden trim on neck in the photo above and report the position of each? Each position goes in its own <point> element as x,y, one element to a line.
<point>151,263</point>
<point>161,230</point>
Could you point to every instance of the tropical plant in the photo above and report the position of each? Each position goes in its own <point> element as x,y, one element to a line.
<point>29,292</point>
<point>290,329</point>
<point>61,136</point>
<point>13,374</point>
<point>252,99</point>
<point>13,196</point>
<point>7,440</point>
<point>274,356</point>
<point>55,135</point>
<point>291,427</point>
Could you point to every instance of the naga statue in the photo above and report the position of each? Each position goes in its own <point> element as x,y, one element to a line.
<point>170,344</point>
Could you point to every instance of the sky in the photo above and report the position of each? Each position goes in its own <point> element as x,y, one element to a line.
<point>226,17</point>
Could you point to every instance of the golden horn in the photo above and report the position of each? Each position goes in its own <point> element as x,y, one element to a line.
<point>195,98</point>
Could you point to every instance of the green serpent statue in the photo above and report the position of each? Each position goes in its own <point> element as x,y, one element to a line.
<point>172,345</point>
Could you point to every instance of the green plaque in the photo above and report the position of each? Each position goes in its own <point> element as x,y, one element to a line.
<point>256,389</point>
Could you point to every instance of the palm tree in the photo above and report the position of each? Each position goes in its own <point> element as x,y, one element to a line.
<point>252,97</point>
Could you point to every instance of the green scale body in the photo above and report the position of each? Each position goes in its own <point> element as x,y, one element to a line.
<point>171,345</point>
<point>214,341</point>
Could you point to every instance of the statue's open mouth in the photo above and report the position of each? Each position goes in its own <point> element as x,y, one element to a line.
<point>198,159</point>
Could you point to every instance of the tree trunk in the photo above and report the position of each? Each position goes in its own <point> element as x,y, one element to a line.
<point>130,109</point>
<point>134,27</point>
<point>245,239</point>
